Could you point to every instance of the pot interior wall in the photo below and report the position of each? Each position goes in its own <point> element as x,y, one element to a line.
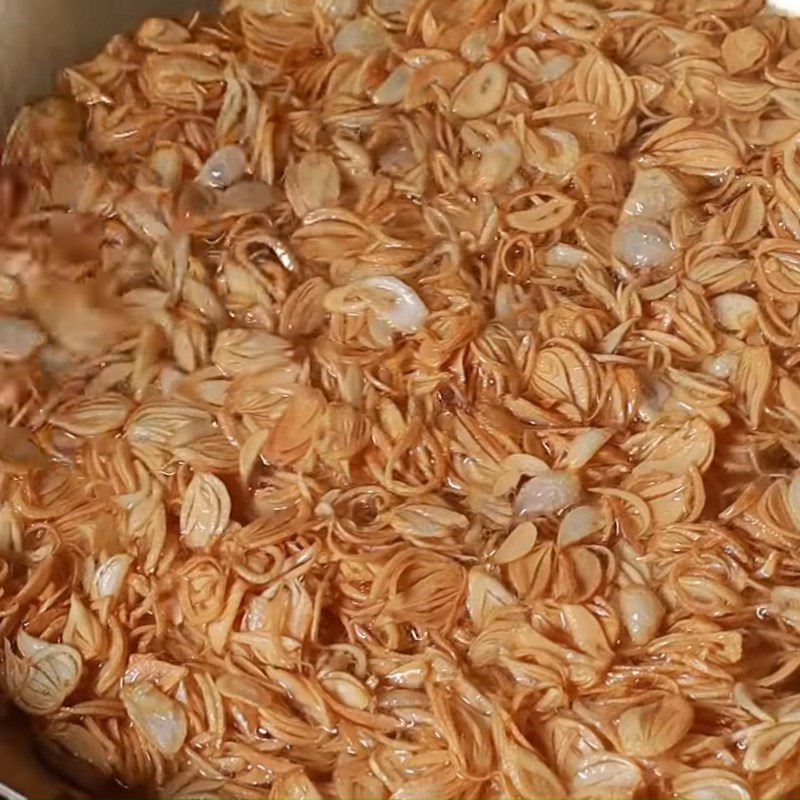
<point>38,38</point>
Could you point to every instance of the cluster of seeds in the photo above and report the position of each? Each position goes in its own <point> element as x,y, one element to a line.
<point>401,399</point>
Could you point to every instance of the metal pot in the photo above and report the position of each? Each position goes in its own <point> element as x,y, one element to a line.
<point>38,38</point>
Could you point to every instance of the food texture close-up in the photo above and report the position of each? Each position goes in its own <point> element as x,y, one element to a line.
<point>401,399</point>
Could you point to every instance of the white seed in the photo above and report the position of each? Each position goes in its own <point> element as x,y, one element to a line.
<point>161,720</point>
<point>721,366</point>
<point>735,312</point>
<point>642,613</point>
<point>643,244</point>
<point>547,493</point>
<point>223,168</point>
<point>655,195</point>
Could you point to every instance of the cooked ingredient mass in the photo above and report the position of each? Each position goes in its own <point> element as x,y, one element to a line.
<point>402,400</point>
